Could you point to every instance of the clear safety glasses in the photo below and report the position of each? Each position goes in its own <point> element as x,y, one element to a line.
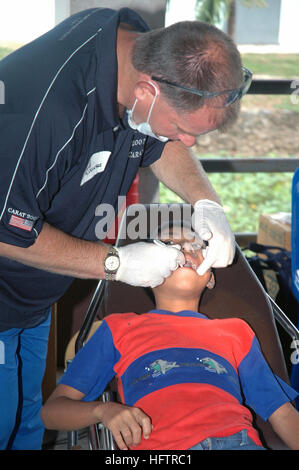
<point>184,245</point>
<point>218,99</point>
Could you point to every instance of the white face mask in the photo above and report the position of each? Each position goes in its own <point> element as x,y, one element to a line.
<point>145,127</point>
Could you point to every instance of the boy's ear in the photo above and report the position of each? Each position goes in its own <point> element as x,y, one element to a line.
<point>211,283</point>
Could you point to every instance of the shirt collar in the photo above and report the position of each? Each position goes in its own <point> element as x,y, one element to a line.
<point>106,69</point>
<point>182,313</point>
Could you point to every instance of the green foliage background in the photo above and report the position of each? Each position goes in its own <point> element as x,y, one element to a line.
<point>245,196</point>
<point>4,51</point>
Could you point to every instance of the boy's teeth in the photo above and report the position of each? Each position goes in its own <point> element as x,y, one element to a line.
<point>188,264</point>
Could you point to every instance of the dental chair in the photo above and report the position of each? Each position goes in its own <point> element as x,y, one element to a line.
<point>238,294</point>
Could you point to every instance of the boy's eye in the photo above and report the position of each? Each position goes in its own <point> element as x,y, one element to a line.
<point>185,246</point>
<point>196,246</point>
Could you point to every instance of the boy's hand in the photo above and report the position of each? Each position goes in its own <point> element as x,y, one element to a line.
<point>126,423</point>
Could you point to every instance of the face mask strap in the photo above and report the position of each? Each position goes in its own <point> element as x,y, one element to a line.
<point>146,127</point>
<point>151,107</point>
<point>154,100</point>
<point>134,106</point>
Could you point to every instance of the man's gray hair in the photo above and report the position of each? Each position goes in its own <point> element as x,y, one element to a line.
<point>194,54</point>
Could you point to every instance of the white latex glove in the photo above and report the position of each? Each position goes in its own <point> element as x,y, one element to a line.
<point>146,264</point>
<point>210,222</point>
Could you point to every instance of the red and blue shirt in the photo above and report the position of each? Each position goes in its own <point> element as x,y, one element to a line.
<point>193,376</point>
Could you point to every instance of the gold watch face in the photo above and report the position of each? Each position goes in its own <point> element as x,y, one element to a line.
<point>112,263</point>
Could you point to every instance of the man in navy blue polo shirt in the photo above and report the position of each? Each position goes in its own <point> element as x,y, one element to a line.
<point>85,106</point>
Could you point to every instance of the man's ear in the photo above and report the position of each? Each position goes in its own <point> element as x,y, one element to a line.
<point>145,90</point>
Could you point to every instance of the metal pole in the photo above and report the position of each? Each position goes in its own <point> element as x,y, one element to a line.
<point>284,321</point>
<point>90,315</point>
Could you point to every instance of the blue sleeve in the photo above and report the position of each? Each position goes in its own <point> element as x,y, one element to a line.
<point>264,392</point>
<point>153,151</point>
<point>92,367</point>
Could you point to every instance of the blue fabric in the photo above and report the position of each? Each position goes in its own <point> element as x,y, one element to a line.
<point>264,392</point>
<point>22,365</point>
<point>238,441</point>
<point>59,113</point>
<point>295,378</point>
<point>92,368</point>
<point>185,365</point>
<point>182,313</point>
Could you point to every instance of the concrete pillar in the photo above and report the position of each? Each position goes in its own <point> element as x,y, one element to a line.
<point>153,12</point>
<point>62,10</point>
<point>288,27</point>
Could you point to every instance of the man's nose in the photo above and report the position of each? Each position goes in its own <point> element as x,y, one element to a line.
<point>187,140</point>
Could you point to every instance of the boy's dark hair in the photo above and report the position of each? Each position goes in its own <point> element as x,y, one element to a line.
<point>194,54</point>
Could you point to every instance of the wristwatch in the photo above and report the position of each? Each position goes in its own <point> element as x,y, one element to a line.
<point>111,264</point>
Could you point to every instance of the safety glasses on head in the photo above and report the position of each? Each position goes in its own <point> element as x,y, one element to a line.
<point>218,99</point>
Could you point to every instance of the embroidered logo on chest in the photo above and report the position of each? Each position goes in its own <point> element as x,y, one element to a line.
<point>137,147</point>
<point>97,164</point>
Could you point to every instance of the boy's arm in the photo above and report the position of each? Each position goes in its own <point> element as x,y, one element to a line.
<point>64,410</point>
<point>285,422</point>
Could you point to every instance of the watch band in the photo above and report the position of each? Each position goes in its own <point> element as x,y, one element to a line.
<point>112,251</point>
<point>110,276</point>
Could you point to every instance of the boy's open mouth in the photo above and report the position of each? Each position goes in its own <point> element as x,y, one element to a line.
<point>190,264</point>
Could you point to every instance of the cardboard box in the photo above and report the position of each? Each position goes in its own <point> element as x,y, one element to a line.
<point>275,230</point>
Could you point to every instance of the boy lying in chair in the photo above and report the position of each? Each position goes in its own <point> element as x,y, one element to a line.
<point>185,381</point>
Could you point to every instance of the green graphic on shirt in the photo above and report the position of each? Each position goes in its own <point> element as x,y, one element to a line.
<point>212,366</point>
<point>160,366</point>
